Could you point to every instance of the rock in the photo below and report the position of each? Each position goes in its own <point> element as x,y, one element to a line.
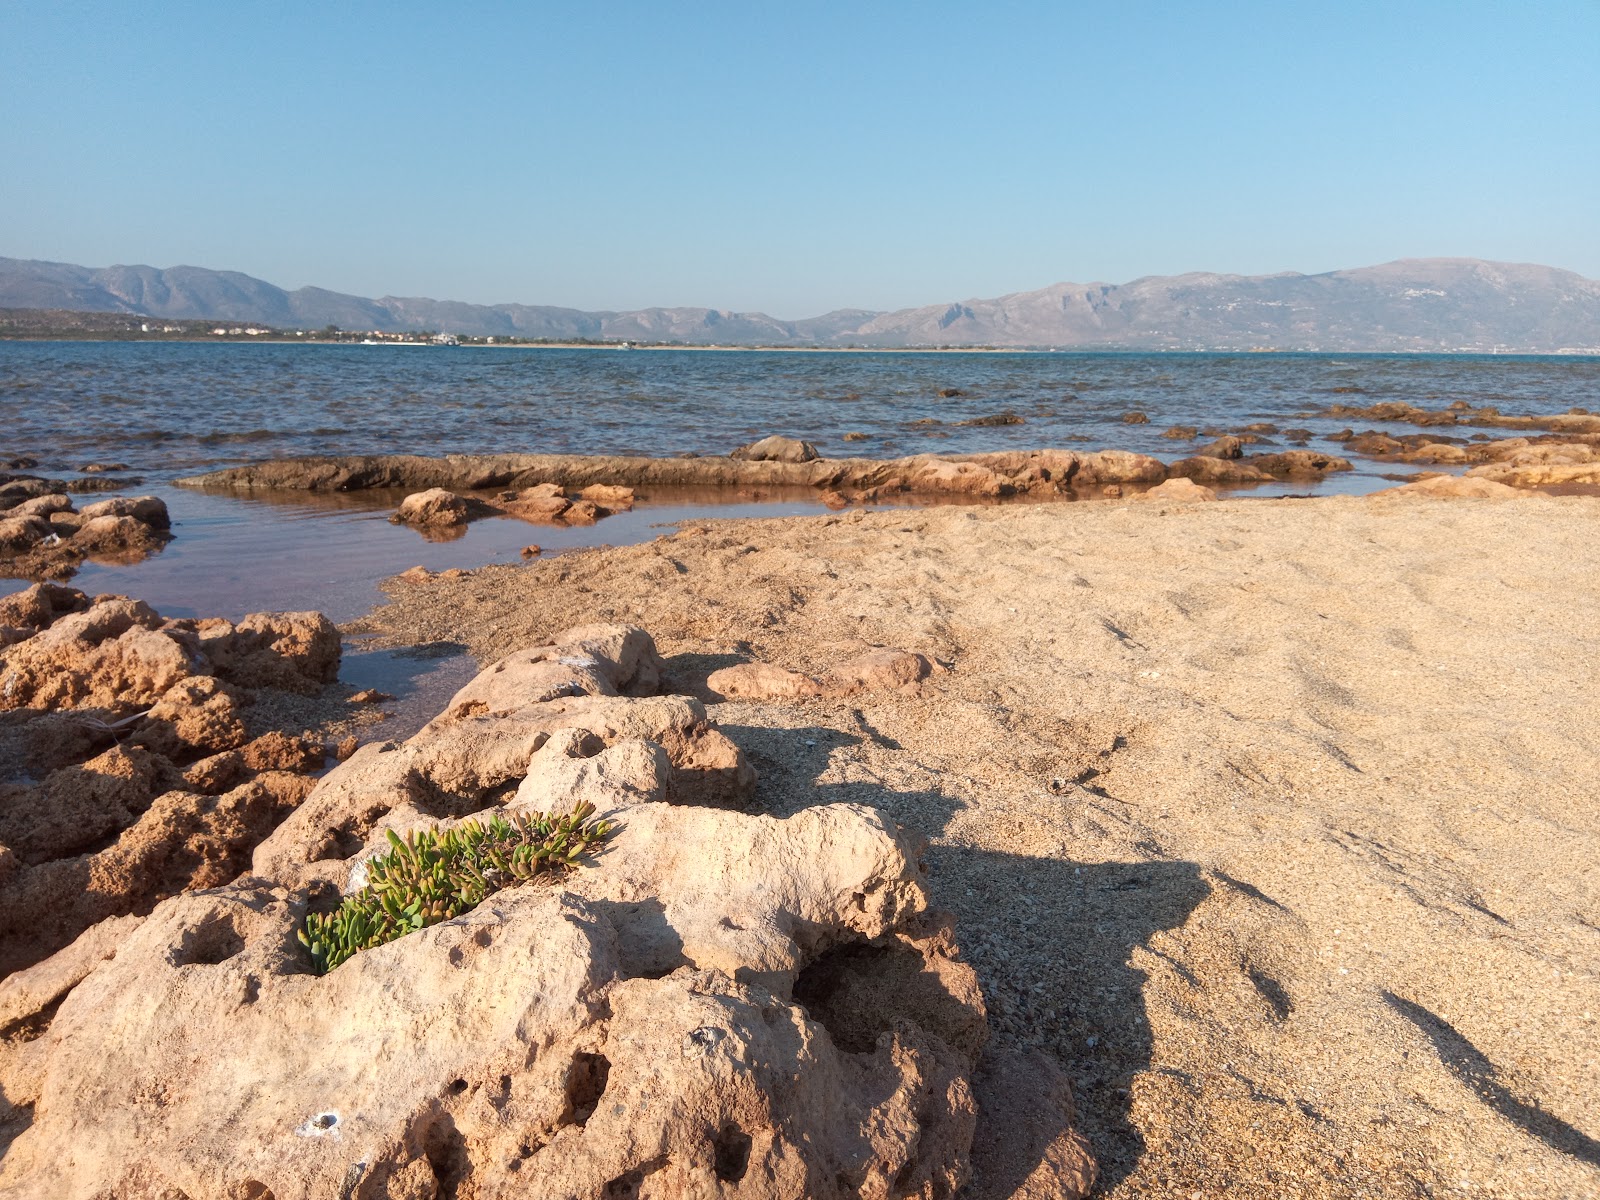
<point>196,717</point>
<point>417,574</point>
<point>347,746</point>
<point>833,499</point>
<point>291,651</point>
<point>545,504</point>
<point>761,681</point>
<point>1216,470</point>
<point>432,508</point>
<point>613,499</point>
<point>111,656</point>
<point>1118,466</point>
<point>108,831</point>
<point>1261,427</point>
<point>42,506</point>
<point>18,534</point>
<point>855,437</point>
<point>1181,433</point>
<point>949,393</point>
<point>1374,444</point>
<point>1223,447</point>
<point>1437,452</point>
<point>1539,474</point>
<point>1180,490</point>
<point>148,510</point>
<point>777,449</point>
<point>100,468</point>
<point>1456,486</point>
<point>581,512</point>
<point>1291,464</point>
<point>531,551</point>
<point>1005,418</point>
<point>369,696</point>
<point>1135,418</point>
<point>881,670</point>
<point>181,841</point>
<point>112,534</point>
<point>661,1018</point>
<point>1112,491</point>
<point>103,483</point>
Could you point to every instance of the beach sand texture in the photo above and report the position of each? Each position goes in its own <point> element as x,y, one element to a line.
<point>1276,822</point>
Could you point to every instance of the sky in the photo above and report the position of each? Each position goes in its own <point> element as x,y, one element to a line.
<point>795,158</point>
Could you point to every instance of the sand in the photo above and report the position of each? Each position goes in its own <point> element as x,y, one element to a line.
<point>1275,822</point>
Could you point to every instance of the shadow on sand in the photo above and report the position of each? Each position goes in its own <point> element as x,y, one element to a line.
<point>1050,939</point>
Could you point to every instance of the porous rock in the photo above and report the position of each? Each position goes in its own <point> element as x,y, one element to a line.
<point>761,681</point>
<point>683,1014</point>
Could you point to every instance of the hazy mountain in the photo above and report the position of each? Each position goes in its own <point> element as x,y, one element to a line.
<point>1413,304</point>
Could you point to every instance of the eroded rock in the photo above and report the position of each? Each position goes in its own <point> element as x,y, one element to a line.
<point>717,1003</point>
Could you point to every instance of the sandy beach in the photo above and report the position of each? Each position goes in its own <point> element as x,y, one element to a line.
<point>1273,822</point>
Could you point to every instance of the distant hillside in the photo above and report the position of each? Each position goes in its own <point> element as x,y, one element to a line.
<point>1413,304</point>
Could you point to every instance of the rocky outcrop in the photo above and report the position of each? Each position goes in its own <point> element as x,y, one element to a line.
<point>1184,491</point>
<point>439,513</point>
<point>133,771</point>
<point>1454,486</point>
<point>872,671</point>
<point>1577,421</point>
<point>1003,473</point>
<point>717,1003</point>
<point>42,536</point>
<point>777,449</point>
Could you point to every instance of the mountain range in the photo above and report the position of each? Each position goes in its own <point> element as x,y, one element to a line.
<point>1421,304</point>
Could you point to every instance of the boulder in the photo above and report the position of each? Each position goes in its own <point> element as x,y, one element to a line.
<point>113,656</point>
<point>114,535</point>
<point>20,534</point>
<point>433,508</point>
<point>670,1017</point>
<point>761,681</point>
<point>1201,469</point>
<point>1290,464</point>
<point>1223,447</point>
<point>881,670</point>
<point>777,449</point>
<point>291,651</point>
<point>1180,490</point>
<point>147,510</point>
<point>607,496</point>
<point>42,506</point>
<point>1548,474</point>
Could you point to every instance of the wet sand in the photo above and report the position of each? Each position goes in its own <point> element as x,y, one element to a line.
<point>1275,822</point>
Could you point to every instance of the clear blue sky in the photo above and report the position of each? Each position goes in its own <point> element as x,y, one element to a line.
<point>795,158</point>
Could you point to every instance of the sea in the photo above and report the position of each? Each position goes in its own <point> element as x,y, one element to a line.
<point>162,411</point>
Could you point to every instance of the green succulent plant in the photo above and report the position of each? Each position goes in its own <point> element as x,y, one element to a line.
<point>428,877</point>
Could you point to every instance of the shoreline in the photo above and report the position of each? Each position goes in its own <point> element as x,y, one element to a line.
<point>1199,788</point>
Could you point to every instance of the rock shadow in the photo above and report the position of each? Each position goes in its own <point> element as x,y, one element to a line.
<point>1473,1069</point>
<point>1050,938</point>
